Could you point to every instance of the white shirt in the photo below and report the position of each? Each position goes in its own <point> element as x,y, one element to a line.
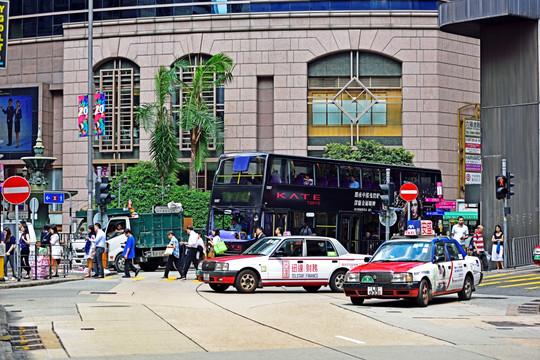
<point>459,231</point>
<point>193,239</point>
<point>100,238</point>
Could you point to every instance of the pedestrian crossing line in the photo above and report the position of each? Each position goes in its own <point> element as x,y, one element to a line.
<point>489,283</point>
<point>514,285</point>
<point>169,279</point>
<point>138,278</point>
<point>496,276</point>
<point>524,279</point>
<point>508,276</point>
<point>533,288</point>
<point>108,278</point>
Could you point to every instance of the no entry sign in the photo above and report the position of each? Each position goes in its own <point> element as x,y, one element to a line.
<point>408,191</point>
<point>16,190</point>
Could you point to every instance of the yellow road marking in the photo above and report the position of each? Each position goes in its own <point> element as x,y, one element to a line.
<point>513,285</point>
<point>532,288</point>
<point>169,279</point>
<point>489,283</point>
<point>139,278</point>
<point>107,278</point>
<point>512,277</point>
<point>495,276</point>
<point>526,279</point>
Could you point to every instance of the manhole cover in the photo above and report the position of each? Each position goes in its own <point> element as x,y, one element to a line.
<point>530,308</point>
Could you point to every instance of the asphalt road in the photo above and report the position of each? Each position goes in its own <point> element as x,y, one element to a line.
<point>151,318</point>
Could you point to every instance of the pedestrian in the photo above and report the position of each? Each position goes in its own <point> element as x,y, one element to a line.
<point>305,230</point>
<point>497,250</point>
<point>478,247</point>
<point>90,250</point>
<point>45,238</point>
<point>10,242</point>
<point>56,249</point>
<point>24,241</point>
<point>212,241</point>
<point>174,256</point>
<point>10,112</point>
<point>129,255</point>
<point>18,117</point>
<point>199,256</point>
<point>191,253</point>
<point>460,232</point>
<point>235,226</point>
<point>259,234</point>
<point>279,231</point>
<point>100,250</point>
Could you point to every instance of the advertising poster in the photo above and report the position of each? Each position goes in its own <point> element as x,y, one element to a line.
<point>18,122</point>
<point>4,12</point>
<point>83,115</point>
<point>99,114</point>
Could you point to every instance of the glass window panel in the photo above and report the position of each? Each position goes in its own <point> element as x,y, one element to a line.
<point>15,8</point>
<point>401,5</point>
<point>279,173</point>
<point>45,25</point>
<point>78,17</point>
<point>340,5</point>
<point>299,6</point>
<point>15,29</point>
<point>280,6</point>
<point>61,5</point>
<point>334,115</point>
<point>78,5</point>
<point>366,118</point>
<point>45,6</point>
<point>30,27</point>
<point>29,6</point>
<point>380,4</point>
<point>256,7</point>
<point>369,178</point>
<point>302,173</point>
<point>57,23</point>
<point>320,5</point>
<point>378,114</point>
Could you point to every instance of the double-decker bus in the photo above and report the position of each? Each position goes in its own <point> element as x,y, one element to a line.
<point>335,198</point>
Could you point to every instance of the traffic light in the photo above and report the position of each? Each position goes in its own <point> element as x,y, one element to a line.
<point>509,185</point>
<point>501,189</point>
<point>388,196</point>
<point>102,194</point>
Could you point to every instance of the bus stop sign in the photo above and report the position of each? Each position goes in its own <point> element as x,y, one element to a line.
<point>408,191</point>
<point>16,190</point>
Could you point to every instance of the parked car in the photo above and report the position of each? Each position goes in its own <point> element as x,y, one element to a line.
<point>536,255</point>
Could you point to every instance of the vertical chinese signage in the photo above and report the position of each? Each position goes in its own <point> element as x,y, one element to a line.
<point>4,11</point>
<point>99,115</point>
<point>470,148</point>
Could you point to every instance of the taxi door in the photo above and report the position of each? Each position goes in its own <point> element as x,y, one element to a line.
<point>444,267</point>
<point>321,259</point>
<point>459,266</point>
<point>286,264</point>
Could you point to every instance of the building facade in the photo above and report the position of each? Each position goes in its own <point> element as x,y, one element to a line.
<point>306,73</point>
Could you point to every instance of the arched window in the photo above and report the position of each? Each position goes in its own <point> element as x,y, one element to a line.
<point>119,79</point>
<point>354,95</point>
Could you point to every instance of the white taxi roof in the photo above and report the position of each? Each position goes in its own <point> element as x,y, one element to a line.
<point>339,247</point>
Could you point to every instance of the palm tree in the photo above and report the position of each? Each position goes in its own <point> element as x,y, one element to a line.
<point>157,118</point>
<point>196,117</point>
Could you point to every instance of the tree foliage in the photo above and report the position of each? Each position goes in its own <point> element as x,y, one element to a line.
<point>369,151</point>
<point>140,187</point>
<point>196,117</point>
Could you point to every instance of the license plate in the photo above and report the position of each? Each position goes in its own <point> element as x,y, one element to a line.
<point>536,257</point>
<point>374,290</point>
<point>206,277</point>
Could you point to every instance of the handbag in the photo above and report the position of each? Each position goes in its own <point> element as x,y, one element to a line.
<point>220,247</point>
<point>498,251</point>
<point>169,251</point>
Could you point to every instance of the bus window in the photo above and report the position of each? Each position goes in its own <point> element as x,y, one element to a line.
<point>279,173</point>
<point>369,176</point>
<point>347,173</point>
<point>246,170</point>
<point>325,225</point>
<point>301,173</point>
<point>326,174</point>
<point>410,176</point>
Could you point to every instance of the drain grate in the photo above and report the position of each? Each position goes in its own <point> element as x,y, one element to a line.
<point>25,337</point>
<point>87,329</point>
<point>103,293</point>
<point>530,308</point>
<point>507,325</point>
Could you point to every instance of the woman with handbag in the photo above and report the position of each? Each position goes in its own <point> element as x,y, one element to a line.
<point>213,241</point>
<point>25,247</point>
<point>90,250</point>
<point>56,249</point>
<point>497,250</point>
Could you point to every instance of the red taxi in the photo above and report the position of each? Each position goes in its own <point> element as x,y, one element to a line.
<point>536,255</point>
<point>307,261</point>
<point>418,269</point>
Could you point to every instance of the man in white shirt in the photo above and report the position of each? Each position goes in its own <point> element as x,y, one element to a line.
<point>100,250</point>
<point>460,232</point>
<point>191,245</point>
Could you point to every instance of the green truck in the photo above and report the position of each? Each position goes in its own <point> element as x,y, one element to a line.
<point>150,232</point>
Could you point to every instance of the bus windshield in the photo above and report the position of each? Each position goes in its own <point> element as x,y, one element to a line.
<point>241,170</point>
<point>264,246</point>
<point>403,251</point>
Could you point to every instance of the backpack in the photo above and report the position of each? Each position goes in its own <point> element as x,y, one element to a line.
<point>471,244</point>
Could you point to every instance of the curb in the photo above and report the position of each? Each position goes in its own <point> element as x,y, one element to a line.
<point>6,352</point>
<point>31,283</point>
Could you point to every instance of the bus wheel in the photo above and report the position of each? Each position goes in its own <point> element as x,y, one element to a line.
<point>149,266</point>
<point>337,280</point>
<point>246,281</point>
<point>311,289</point>
<point>119,263</point>
<point>218,287</point>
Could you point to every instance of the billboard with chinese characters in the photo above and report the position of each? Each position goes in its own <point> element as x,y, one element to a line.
<point>18,122</point>
<point>4,21</point>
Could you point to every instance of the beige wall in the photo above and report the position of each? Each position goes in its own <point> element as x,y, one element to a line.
<point>440,73</point>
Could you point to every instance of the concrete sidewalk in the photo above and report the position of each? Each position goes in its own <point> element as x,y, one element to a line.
<point>6,352</point>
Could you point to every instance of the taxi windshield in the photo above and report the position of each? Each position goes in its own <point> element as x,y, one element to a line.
<point>403,251</point>
<point>263,247</point>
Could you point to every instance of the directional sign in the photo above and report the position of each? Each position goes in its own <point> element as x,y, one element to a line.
<point>408,191</point>
<point>53,198</point>
<point>16,190</point>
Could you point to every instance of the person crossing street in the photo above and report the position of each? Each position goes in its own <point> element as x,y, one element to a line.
<point>129,255</point>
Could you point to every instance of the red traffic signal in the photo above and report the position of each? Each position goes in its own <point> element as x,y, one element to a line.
<point>500,187</point>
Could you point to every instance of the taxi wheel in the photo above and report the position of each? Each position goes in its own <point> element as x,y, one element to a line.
<point>246,281</point>
<point>357,300</point>
<point>218,287</point>
<point>311,289</point>
<point>466,292</point>
<point>424,294</point>
<point>337,280</point>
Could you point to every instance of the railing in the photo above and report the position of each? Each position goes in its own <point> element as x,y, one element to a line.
<point>520,250</point>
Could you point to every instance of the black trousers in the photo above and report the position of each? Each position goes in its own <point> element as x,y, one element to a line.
<point>188,259</point>
<point>128,265</point>
<point>170,261</point>
<point>10,130</point>
<point>25,263</point>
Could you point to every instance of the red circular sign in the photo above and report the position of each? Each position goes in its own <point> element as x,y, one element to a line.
<point>16,190</point>
<point>408,191</point>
